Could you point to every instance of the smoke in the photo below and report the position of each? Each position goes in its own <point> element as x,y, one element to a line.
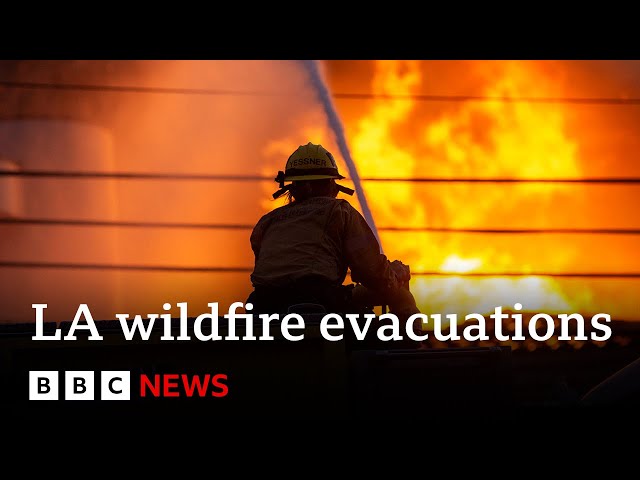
<point>139,129</point>
<point>336,125</point>
<point>266,108</point>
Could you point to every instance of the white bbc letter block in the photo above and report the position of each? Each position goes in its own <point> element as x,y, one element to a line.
<point>43,385</point>
<point>115,385</point>
<point>78,385</point>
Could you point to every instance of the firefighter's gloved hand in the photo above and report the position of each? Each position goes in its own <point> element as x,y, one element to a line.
<point>402,271</point>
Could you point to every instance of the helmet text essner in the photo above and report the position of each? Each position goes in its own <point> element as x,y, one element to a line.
<point>308,161</point>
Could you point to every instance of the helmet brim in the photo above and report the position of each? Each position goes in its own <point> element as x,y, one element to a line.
<point>311,177</point>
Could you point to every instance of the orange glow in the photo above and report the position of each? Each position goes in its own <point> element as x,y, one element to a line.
<point>405,138</point>
<point>236,135</point>
<point>476,139</point>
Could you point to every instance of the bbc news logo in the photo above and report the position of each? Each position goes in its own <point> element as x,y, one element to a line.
<point>116,385</point>
<point>79,385</point>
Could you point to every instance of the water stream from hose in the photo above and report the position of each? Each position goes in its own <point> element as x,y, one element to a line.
<point>313,69</point>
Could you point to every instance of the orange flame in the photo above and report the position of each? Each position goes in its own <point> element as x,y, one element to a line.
<point>405,138</point>
<point>474,139</point>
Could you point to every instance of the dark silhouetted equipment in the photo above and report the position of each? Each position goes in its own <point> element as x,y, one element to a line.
<point>621,388</point>
<point>426,380</point>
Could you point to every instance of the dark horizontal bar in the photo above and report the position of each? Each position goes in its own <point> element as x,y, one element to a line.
<point>94,266</point>
<point>114,223</point>
<point>254,178</point>
<point>225,226</point>
<point>531,274</point>
<point>134,175</point>
<point>485,98</point>
<point>504,180</point>
<point>139,89</point>
<point>339,95</point>
<point>517,231</point>
<point>97,266</point>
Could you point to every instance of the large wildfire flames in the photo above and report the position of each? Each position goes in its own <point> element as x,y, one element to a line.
<point>469,139</point>
<point>476,139</point>
<point>196,246</point>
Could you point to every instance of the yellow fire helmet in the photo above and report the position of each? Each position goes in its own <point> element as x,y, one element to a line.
<point>309,162</point>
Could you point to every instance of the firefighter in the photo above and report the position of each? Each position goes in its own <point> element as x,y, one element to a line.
<point>304,249</point>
